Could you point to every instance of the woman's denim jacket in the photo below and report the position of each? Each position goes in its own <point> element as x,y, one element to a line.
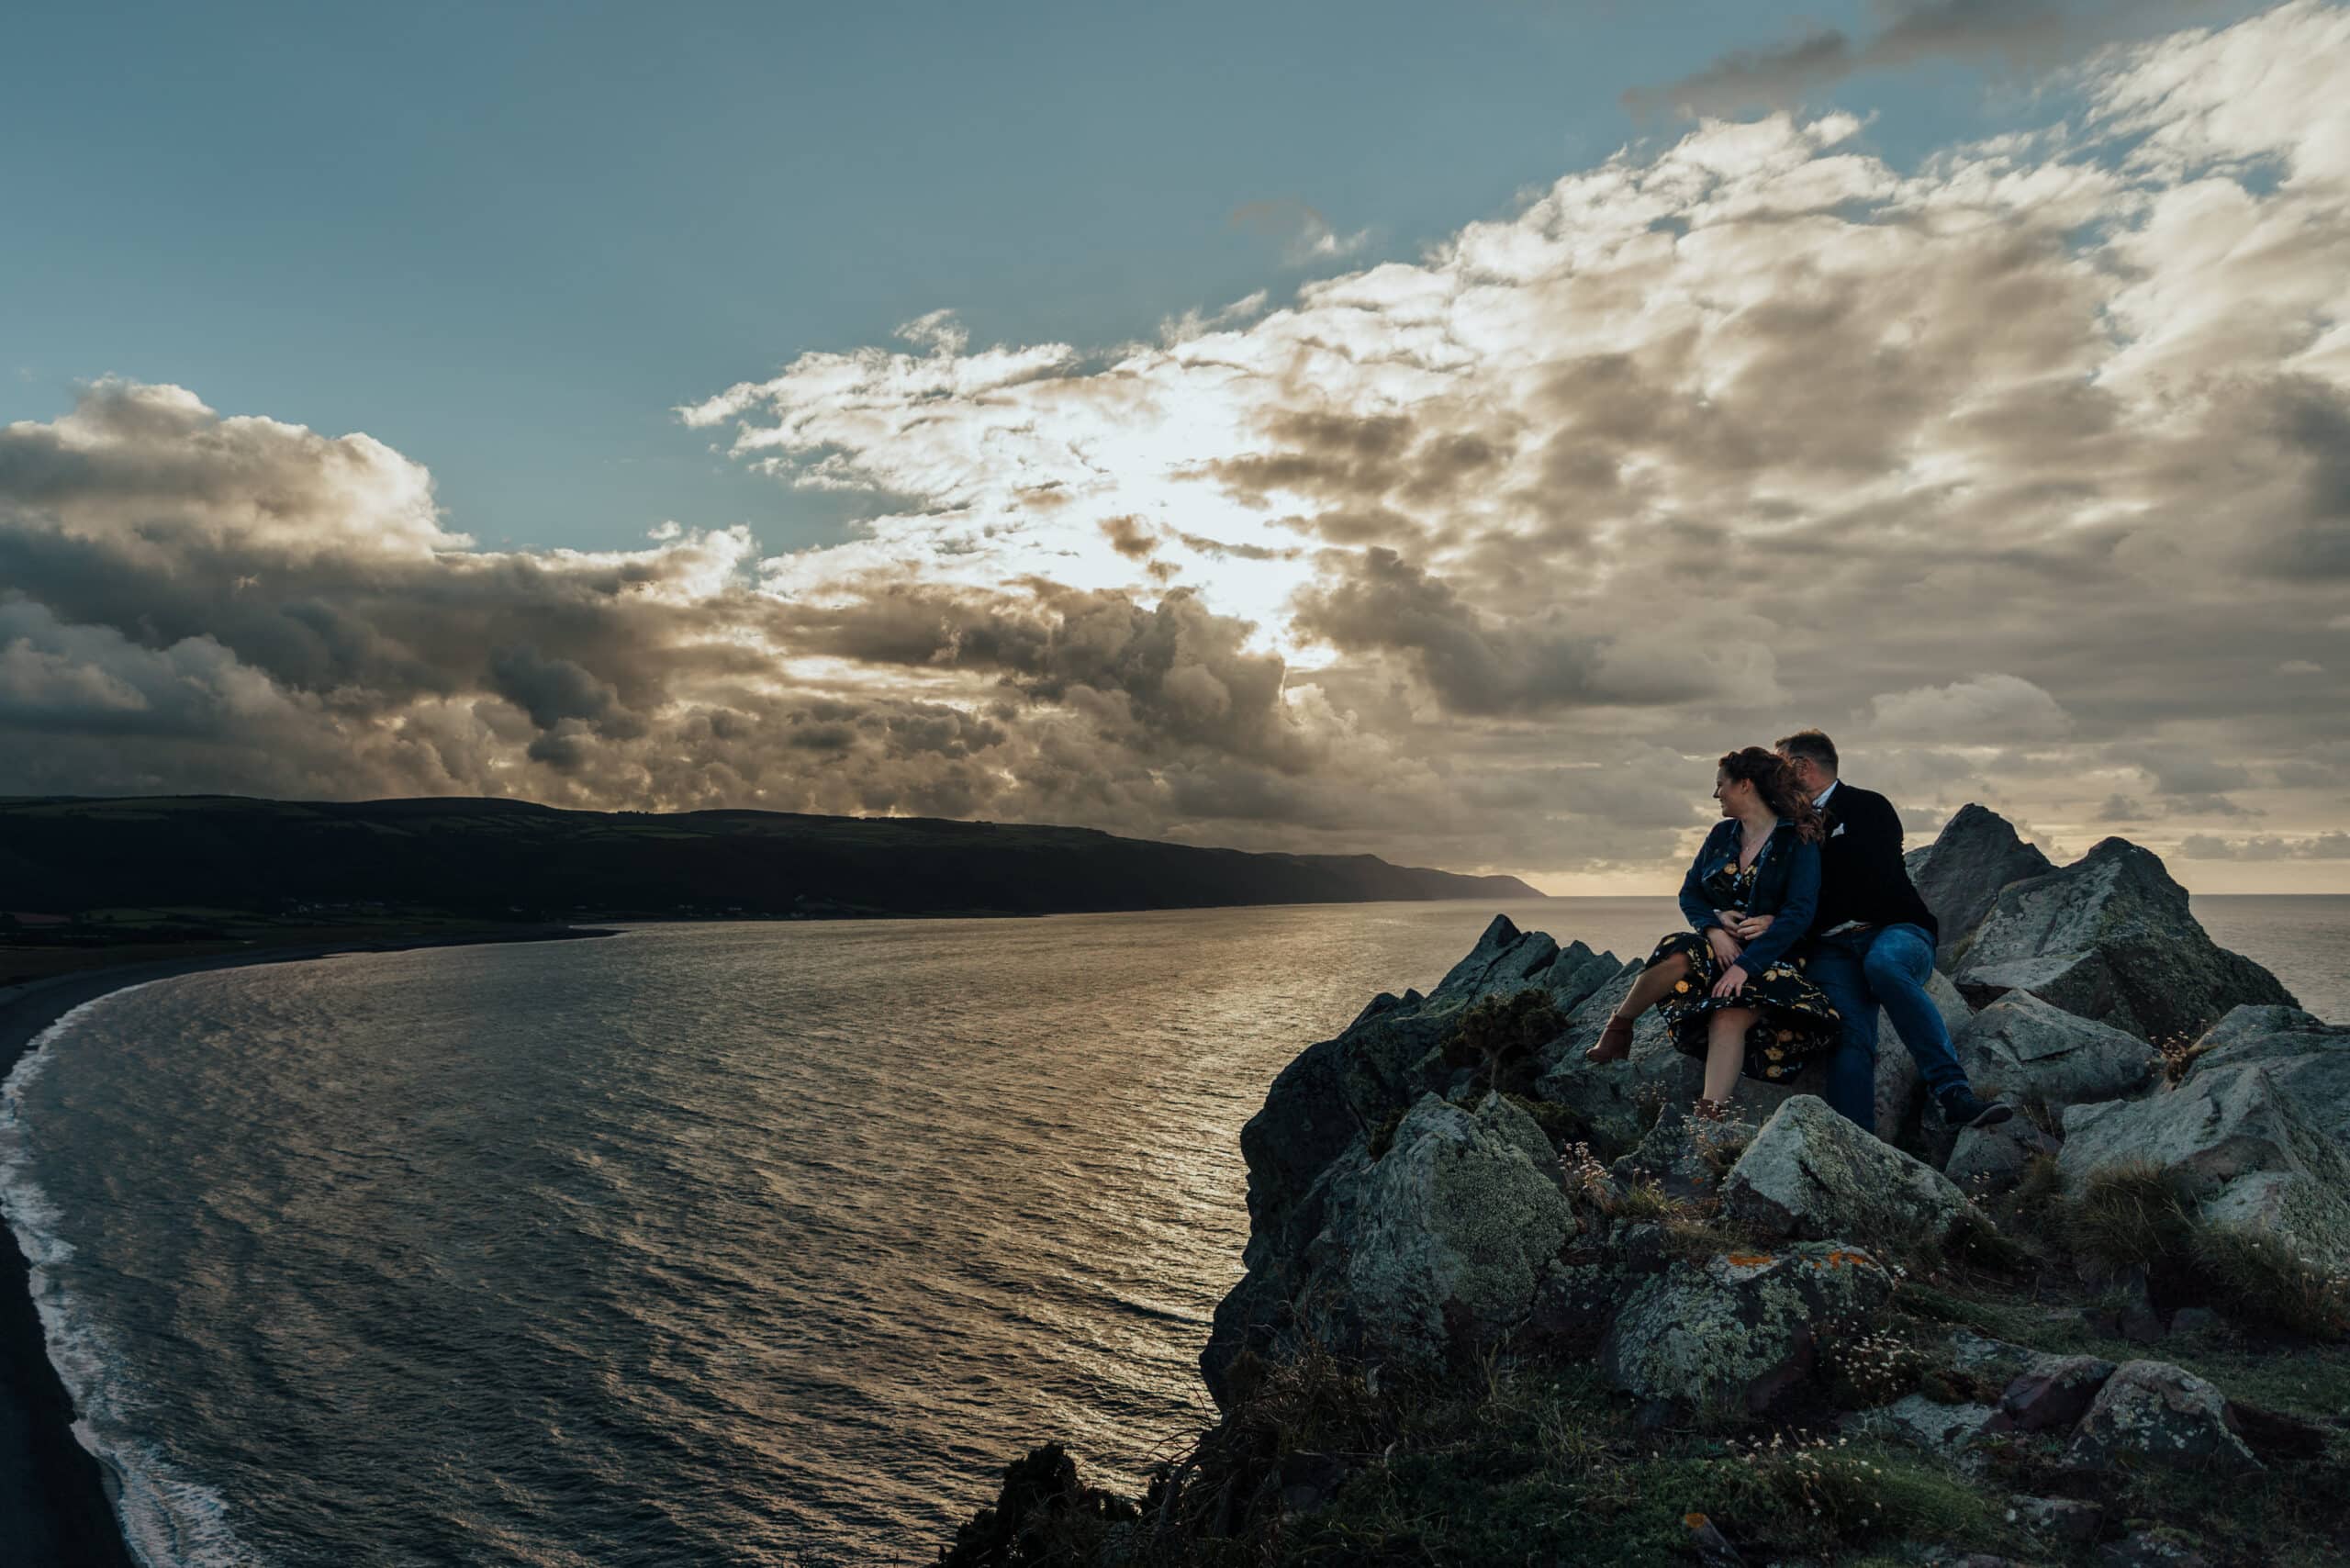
<point>1786,886</point>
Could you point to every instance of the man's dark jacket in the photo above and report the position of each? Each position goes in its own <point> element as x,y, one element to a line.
<point>1861,874</point>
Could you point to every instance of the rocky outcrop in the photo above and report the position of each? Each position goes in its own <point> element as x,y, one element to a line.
<point>2246,1150</point>
<point>2307,1060</point>
<point>1985,1160</point>
<point>1740,1329</point>
<point>1326,1108</point>
<point>1395,1208</point>
<point>2154,1413</point>
<point>1440,1240</point>
<point>2110,937</point>
<point>1961,875</point>
<point>1811,1173</point>
<point>2023,1047</point>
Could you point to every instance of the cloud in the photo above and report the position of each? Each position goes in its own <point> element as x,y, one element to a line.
<point>1305,236</point>
<point>2022,465</point>
<point>2003,709</point>
<point>2322,847</point>
<point>2023,34</point>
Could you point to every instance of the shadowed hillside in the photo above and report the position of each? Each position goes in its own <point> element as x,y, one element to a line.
<point>192,857</point>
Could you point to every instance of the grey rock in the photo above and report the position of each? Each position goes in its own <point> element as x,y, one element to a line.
<point>1811,1173</point>
<point>2252,1156</point>
<point>1503,963</point>
<point>1737,1329</point>
<point>1960,875</point>
<point>2306,1059</point>
<point>1946,1431</point>
<point>2189,1320</point>
<point>1986,1161</point>
<point>1444,1235</point>
<point>1685,1155</point>
<point>1987,1360</point>
<point>2152,1548</point>
<point>2110,937</point>
<point>1574,1303</point>
<point>2023,1047</point>
<point>2154,1413</point>
<point>2039,1391</point>
<point>2060,1519</point>
<point>2051,1393</point>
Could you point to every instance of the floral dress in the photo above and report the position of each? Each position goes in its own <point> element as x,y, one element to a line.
<point>1794,1023</point>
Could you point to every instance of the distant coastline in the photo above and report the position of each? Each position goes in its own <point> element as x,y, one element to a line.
<point>56,1504</point>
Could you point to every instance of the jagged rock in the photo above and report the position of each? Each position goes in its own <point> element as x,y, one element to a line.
<point>1811,1173</point>
<point>2023,1047</point>
<point>1685,1155</point>
<point>1443,1235</point>
<point>1961,873</point>
<point>2252,1158</point>
<point>1501,963</point>
<point>1739,1328</point>
<point>1985,1160</point>
<point>2039,1389</point>
<point>2110,937</point>
<point>2051,1393</point>
<point>2152,1412</point>
<point>2307,1058</point>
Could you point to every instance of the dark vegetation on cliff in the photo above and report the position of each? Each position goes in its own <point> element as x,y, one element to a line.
<point>1504,1307</point>
<point>189,862</point>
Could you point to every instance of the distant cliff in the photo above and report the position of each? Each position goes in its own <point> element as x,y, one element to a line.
<point>512,859</point>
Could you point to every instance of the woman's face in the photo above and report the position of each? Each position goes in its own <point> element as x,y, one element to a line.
<point>1726,791</point>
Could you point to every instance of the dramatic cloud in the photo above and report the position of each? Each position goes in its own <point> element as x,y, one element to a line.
<point>2021,470</point>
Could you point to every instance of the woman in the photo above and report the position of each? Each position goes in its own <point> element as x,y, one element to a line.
<point>1732,990</point>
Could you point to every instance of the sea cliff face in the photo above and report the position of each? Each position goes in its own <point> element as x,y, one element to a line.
<point>1503,1304</point>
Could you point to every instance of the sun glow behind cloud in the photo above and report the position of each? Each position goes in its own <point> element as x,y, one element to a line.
<point>2022,471</point>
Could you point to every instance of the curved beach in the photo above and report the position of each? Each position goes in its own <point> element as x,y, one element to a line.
<point>56,1498</point>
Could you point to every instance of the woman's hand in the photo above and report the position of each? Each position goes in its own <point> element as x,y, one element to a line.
<point>1726,947</point>
<point>1733,980</point>
<point>1747,927</point>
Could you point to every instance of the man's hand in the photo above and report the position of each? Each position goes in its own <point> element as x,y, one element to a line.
<point>1733,980</point>
<point>1726,947</point>
<point>1747,927</point>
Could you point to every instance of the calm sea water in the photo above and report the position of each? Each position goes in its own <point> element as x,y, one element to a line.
<point>751,1244</point>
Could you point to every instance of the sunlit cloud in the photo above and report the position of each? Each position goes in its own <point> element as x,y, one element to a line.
<point>2024,470</point>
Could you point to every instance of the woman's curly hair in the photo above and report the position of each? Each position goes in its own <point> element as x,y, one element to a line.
<point>1770,774</point>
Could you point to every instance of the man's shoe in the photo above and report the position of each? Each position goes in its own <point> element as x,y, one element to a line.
<point>1963,1108</point>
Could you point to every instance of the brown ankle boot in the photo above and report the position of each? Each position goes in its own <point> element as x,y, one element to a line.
<point>1615,1042</point>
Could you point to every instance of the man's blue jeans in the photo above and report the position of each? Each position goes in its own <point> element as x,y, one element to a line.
<point>1859,969</point>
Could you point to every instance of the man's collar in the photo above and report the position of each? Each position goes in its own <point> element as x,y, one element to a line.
<point>1822,799</point>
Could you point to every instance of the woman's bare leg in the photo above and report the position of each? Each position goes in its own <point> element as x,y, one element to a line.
<point>1726,1049</point>
<point>1652,985</point>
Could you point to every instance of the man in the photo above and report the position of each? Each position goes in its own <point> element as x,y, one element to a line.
<point>1873,944</point>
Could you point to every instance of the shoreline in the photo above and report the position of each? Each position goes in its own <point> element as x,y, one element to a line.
<point>56,1498</point>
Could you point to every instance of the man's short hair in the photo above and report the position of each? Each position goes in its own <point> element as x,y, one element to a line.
<point>1813,743</point>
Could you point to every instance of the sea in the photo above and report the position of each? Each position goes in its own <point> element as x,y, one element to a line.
<point>702,1244</point>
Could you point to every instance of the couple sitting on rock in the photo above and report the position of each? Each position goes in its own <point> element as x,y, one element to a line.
<point>1803,922</point>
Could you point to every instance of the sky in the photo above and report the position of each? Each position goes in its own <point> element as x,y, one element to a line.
<point>1439,432</point>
